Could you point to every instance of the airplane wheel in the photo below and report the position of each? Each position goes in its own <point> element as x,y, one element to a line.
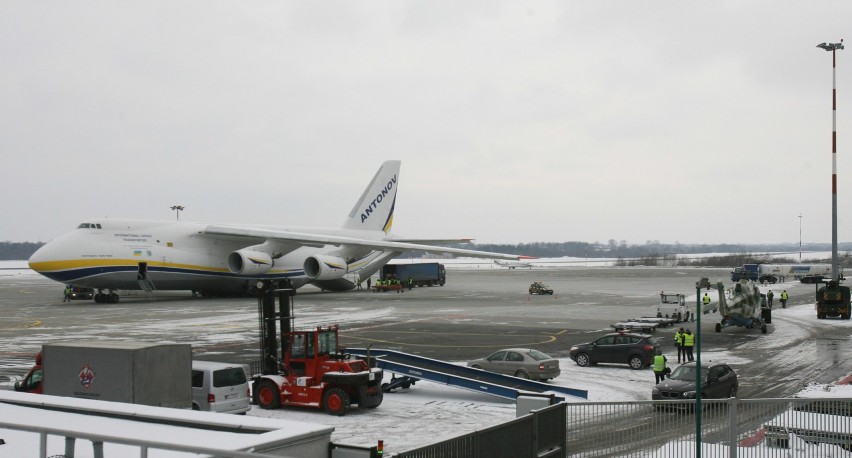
<point>718,327</point>
<point>763,328</point>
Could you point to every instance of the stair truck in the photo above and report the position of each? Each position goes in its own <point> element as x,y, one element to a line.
<point>833,300</point>
<point>311,371</point>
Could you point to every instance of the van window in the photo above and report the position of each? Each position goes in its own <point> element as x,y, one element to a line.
<point>229,377</point>
<point>197,379</point>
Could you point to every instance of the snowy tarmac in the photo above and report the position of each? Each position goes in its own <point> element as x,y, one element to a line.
<point>481,309</point>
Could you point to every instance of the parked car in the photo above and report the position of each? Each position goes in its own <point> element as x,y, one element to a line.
<point>220,387</point>
<point>520,362</point>
<point>540,288</point>
<point>635,350</point>
<point>718,381</point>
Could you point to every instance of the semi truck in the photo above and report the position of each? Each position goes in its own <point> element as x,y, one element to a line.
<point>132,372</point>
<point>422,274</point>
<point>772,273</point>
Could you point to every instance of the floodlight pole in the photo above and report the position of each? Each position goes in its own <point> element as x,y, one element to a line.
<point>698,370</point>
<point>800,238</point>
<point>835,265</point>
<point>177,209</point>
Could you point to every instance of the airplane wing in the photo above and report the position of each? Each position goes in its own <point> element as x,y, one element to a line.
<point>296,239</point>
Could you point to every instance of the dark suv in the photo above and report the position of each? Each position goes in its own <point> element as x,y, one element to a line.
<point>718,381</point>
<point>636,350</point>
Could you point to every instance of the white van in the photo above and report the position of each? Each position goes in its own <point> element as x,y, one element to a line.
<point>220,387</point>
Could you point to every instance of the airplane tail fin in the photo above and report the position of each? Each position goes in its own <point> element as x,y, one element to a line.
<point>374,209</point>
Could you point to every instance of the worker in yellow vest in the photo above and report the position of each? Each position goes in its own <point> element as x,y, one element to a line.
<point>659,366</point>
<point>688,343</point>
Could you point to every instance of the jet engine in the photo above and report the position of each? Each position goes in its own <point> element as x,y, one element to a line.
<point>247,262</point>
<point>322,267</point>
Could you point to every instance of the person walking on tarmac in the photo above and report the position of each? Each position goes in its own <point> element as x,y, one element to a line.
<point>784,298</point>
<point>678,338</point>
<point>659,366</point>
<point>706,300</point>
<point>410,283</point>
<point>769,297</point>
<point>358,284</point>
<point>369,282</point>
<point>67,297</point>
<point>688,343</point>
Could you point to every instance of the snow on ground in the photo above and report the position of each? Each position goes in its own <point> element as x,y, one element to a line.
<point>429,412</point>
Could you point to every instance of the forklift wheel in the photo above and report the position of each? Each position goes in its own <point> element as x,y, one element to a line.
<point>335,401</point>
<point>268,396</point>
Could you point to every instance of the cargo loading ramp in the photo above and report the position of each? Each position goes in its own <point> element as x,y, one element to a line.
<point>420,368</point>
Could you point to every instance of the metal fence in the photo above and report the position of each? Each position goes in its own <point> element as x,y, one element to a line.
<point>730,427</point>
<point>540,434</point>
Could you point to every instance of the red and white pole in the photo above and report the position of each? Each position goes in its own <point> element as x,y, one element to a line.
<point>835,265</point>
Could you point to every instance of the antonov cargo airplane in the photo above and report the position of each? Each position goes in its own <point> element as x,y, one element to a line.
<point>113,254</point>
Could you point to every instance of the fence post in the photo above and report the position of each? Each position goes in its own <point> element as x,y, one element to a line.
<point>732,427</point>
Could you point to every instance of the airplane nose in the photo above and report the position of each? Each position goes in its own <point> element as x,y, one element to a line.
<point>37,258</point>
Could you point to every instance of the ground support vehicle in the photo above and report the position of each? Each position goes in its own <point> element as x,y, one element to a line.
<point>78,292</point>
<point>833,300</point>
<point>772,273</point>
<point>409,368</point>
<point>395,287</point>
<point>540,288</point>
<point>130,372</point>
<point>672,305</point>
<point>421,274</point>
<point>635,326</point>
<point>311,372</point>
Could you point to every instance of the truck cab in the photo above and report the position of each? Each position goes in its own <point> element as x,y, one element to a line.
<point>32,381</point>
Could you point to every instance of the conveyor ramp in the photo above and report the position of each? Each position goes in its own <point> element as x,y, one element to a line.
<point>418,367</point>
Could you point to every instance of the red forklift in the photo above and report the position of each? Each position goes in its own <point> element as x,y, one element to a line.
<point>311,371</point>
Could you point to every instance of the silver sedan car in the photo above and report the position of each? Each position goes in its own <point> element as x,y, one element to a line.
<point>520,362</point>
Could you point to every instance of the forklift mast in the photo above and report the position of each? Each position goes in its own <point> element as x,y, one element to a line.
<point>271,322</point>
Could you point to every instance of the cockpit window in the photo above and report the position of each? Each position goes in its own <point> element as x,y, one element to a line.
<point>89,226</point>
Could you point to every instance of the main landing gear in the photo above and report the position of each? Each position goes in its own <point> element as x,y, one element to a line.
<point>106,298</point>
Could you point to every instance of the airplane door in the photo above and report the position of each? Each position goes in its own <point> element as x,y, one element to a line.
<point>143,271</point>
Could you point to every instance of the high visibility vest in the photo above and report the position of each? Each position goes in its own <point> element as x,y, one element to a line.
<point>688,340</point>
<point>679,338</point>
<point>784,296</point>
<point>659,363</point>
<point>706,299</point>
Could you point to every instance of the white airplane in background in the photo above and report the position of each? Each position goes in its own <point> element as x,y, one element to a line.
<point>512,264</point>
<point>113,254</point>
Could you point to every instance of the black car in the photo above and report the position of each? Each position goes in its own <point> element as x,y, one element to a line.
<point>78,292</point>
<point>718,381</point>
<point>635,350</point>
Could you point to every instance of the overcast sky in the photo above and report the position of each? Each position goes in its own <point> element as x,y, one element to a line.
<point>681,121</point>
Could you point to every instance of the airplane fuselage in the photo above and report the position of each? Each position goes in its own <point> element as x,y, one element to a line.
<point>111,254</point>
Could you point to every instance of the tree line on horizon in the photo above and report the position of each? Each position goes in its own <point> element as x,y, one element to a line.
<point>652,253</point>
